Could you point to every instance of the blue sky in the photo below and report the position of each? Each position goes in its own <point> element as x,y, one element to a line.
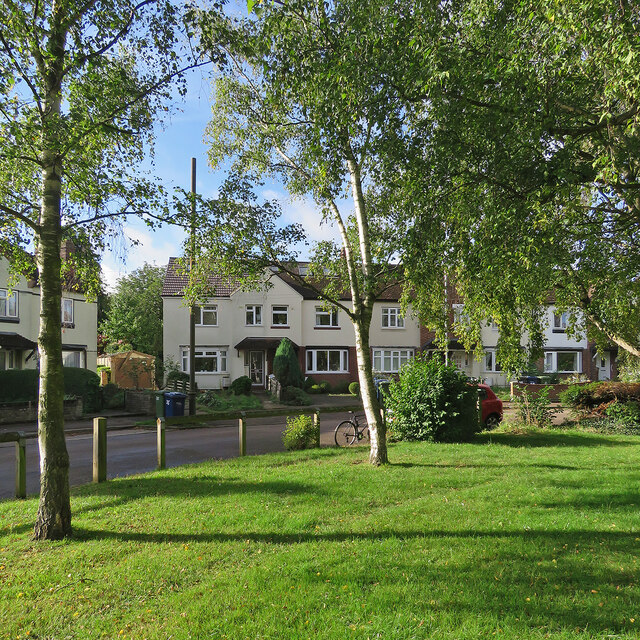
<point>177,141</point>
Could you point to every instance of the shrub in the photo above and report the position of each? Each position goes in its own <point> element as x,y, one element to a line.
<point>534,409</point>
<point>320,387</point>
<point>209,399</point>
<point>354,388</point>
<point>177,376</point>
<point>241,386</point>
<point>589,397</point>
<point>85,384</point>
<point>627,414</point>
<point>300,433</point>
<point>112,396</point>
<point>308,383</point>
<point>431,401</point>
<point>18,385</point>
<point>295,396</point>
<point>286,367</point>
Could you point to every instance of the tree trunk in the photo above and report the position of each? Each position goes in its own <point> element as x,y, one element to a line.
<point>54,512</point>
<point>53,521</point>
<point>377,431</point>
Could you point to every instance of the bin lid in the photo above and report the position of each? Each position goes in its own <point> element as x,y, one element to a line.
<point>174,394</point>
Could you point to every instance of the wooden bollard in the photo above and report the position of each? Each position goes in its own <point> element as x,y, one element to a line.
<point>242,435</point>
<point>316,425</point>
<point>162,459</point>
<point>21,467</point>
<point>99,449</point>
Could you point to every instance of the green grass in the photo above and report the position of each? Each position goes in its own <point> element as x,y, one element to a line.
<point>226,401</point>
<point>515,536</point>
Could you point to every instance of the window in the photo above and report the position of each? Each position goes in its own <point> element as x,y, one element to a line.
<point>73,359</point>
<point>280,316</point>
<point>207,359</point>
<point>492,324</point>
<point>391,318</point>
<point>560,321</point>
<point>390,360</point>
<point>9,360</point>
<point>326,318</point>
<point>327,361</point>
<point>490,362</point>
<point>207,316</point>
<point>8,304</point>
<point>562,362</point>
<point>67,312</point>
<point>253,314</point>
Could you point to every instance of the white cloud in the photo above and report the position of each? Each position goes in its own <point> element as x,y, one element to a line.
<point>154,247</point>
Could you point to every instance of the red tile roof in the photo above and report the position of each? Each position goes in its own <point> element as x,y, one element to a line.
<point>175,282</point>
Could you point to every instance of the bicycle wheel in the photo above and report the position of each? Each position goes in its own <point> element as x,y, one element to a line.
<point>345,433</point>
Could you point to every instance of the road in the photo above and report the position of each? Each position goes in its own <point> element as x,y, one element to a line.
<point>131,451</point>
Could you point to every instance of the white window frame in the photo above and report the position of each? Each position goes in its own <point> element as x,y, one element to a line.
<point>560,321</point>
<point>311,360</point>
<point>253,312</point>
<point>392,318</point>
<point>281,309</point>
<point>331,315</point>
<point>490,362</point>
<point>9,359</point>
<point>65,304</point>
<point>202,311</point>
<point>218,354</point>
<point>551,361</point>
<point>78,356</point>
<point>9,302</point>
<point>390,360</point>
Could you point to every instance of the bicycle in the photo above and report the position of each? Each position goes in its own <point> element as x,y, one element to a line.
<point>351,431</point>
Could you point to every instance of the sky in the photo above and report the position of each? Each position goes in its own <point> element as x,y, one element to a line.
<point>178,140</point>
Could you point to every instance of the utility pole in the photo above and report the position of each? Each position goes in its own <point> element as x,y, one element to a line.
<point>192,308</point>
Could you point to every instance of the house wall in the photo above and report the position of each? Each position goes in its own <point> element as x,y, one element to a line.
<point>84,332</point>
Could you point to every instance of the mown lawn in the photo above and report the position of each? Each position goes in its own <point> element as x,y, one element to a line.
<point>515,536</point>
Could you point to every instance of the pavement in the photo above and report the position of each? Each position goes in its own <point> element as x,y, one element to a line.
<point>119,419</point>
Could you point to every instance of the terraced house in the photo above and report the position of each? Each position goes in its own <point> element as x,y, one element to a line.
<point>20,322</point>
<point>238,332</point>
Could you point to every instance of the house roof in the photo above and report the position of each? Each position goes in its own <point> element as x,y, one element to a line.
<point>175,282</point>
<point>10,340</point>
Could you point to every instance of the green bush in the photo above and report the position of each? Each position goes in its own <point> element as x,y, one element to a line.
<point>209,399</point>
<point>341,387</point>
<point>286,367</point>
<point>177,376</point>
<point>295,397</point>
<point>587,397</point>
<point>431,401</point>
<point>534,409</point>
<point>308,383</point>
<point>85,384</point>
<point>112,397</point>
<point>18,385</point>
<point>241,386</point>
<point>320,387</point>
<point>354,388</point>
<point>300,433</point>
<point>627,414</point>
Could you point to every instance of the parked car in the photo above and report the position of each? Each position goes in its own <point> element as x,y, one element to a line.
<point>491,407</point>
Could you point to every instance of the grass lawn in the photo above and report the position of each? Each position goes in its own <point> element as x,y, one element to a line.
<point>514,536</point>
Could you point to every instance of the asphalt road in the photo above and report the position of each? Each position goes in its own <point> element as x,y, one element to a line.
<point>132,451</point>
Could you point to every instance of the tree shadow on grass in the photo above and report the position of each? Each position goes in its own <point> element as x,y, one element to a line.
<point>550,439</point>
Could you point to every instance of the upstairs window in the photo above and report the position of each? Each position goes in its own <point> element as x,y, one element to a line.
<point>560,321</point>
<point>253,314</point>
<point>67,312</point>
<point>8,304</point>
<point>326,318</point>
<point>392,318</point>
<point>280,316</point>
<point>490,362</point>
<point>207,316</point>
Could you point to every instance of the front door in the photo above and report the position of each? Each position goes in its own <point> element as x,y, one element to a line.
<point>256,367</point>
<point>604,372</point>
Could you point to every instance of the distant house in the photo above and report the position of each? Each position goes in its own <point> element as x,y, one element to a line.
<point>20,323</point>
<point>129,370</point>
<point>238,332</point>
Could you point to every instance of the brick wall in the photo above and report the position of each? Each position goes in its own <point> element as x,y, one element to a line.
<point>143,402</point>
<point>28,411</point>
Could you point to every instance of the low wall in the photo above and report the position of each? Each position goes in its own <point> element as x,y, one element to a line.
<point>28,411</point>
<point>554,389</point>
<point>141,402</point>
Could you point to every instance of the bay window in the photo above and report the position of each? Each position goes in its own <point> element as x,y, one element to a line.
<point>207,359</point>
<point>563,362</point>
<point>390,360</point>
<point>327,360</point>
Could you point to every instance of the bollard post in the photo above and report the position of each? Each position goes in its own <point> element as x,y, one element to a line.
<point>242,435</point>
<point>162,459</point>
<point>21,467</point>
<point>99,449</point>
<point>316,425</point>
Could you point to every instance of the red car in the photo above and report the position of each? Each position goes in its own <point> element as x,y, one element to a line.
<point>491,407</point>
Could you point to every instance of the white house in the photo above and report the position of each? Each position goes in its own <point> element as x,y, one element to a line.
<point>20,321</point>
